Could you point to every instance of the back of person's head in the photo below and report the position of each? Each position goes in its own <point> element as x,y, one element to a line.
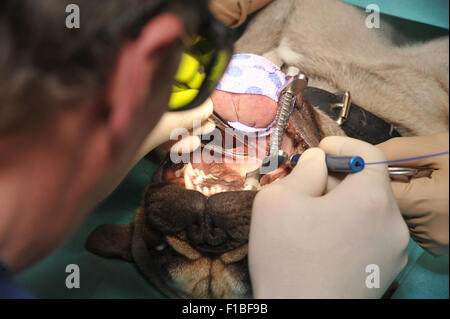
<point>44,65</point>
<point>76,104</point>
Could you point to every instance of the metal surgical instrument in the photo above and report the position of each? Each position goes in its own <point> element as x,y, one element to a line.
<point>354,164</point>
<point>222,151</point>
<point>296,83</point>
<point>222,125</point>
<point>335,164</point>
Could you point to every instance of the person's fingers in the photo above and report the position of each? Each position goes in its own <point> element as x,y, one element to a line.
<point>406,147</point>
<point>334,180</point>
<point>206,128</point>
<point>403,191</point>
<point>178,120</point>
<point>187,144</point>
<point>256,5</point>
<point>414,197</point>
<point>187,119</point>
<point>345,146</point>
<point>230,12</point>
<point>310,174</point>
<point>170,121</point>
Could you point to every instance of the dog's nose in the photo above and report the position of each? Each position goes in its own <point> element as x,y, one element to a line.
<point>211,225</point>
<point>205,234</point>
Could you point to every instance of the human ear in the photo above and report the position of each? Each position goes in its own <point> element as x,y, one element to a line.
<point>136,70</point>
<point>134,101</point>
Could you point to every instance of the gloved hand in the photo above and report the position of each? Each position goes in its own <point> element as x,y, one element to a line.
<point>423,201</point>
<point>234,12</point>
<point>174,120</point>
<point>307,244</point>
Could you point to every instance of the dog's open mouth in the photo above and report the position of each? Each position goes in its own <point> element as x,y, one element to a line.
<point>211,173</point>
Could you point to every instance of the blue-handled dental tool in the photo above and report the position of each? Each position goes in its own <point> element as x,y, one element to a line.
<point>355,164</point>
<point>337,164</point>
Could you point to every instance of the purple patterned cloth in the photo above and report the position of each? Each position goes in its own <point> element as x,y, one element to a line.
<point>252,74</point>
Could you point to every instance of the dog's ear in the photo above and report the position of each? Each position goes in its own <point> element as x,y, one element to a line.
<point>111,241</point>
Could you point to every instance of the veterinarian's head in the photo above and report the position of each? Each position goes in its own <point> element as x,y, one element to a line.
<point>76,104</point>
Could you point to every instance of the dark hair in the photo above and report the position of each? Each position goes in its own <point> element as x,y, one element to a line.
<point>45,66</point>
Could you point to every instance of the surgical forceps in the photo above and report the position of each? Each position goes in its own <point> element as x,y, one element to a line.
<point>405,174</point>
<point>222,125</point>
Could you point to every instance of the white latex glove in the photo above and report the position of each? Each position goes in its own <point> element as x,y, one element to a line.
<point>173,120</point>
<point>307,244</point>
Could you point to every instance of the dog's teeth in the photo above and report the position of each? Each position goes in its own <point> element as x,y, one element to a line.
<point>198,179</point>
<point>188,182</point>
<point>198,188</point>
<point>210,176</point>
<point>206,191</point>
<point>187,177</point>
<point>188,169</point>
<point>200,172</point>
<point>160,247</point>
<point>179,173</point>
<point>251,188</point>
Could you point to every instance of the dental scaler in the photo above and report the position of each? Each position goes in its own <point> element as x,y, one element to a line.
<point>336,164</point>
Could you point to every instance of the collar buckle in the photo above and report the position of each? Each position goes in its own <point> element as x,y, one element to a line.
<point>345,108</point>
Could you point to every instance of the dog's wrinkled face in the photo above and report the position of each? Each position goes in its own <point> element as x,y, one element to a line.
<point>190,236</point>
